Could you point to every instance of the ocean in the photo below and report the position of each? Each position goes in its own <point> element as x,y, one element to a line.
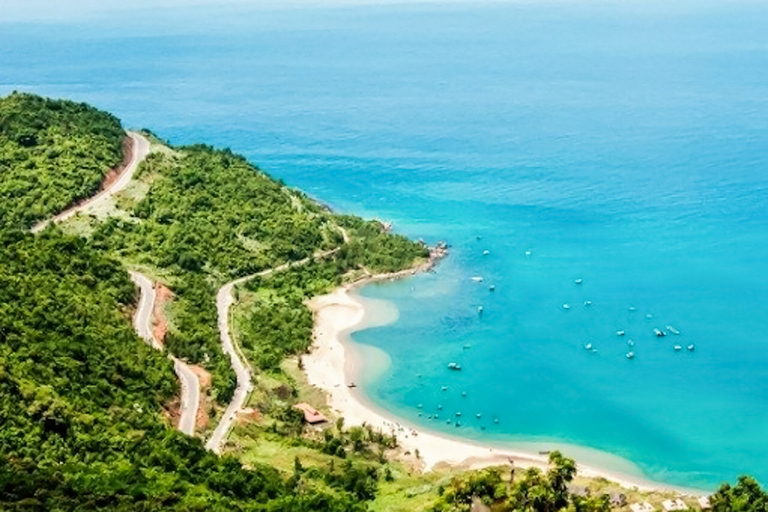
<point>623,144</point>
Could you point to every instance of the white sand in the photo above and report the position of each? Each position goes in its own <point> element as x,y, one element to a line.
<point>328,366</point>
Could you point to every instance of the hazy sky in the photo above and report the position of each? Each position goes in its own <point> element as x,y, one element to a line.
<point>58,10</point>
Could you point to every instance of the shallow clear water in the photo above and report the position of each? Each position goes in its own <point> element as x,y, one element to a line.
<point>626,145</point>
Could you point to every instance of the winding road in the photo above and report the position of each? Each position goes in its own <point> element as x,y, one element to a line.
<point>190,385</point>
<point>139,153</point>
<point>224,301</point>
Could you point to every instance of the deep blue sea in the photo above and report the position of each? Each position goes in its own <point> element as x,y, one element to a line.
<point>621,143</point>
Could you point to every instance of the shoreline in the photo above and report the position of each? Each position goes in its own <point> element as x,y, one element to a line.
<point>332,364</point>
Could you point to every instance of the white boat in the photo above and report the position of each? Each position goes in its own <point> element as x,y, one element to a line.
<point>691,347</point>
<point>630,355</point>
<point>672,330</point>
<point>492,287</point>
<point>588,346</point>
<point>479,310</point>
<point>477,279</point>
<point>579,281</point>
<point>678,348</point>
<point>454,366</point>
<point>486,252</point>
<point>632,308</point>
<point>587,302</point>
<point>620,333</point>
<point>659,333</point>
<point>630,343</point>
<point>566,306</point>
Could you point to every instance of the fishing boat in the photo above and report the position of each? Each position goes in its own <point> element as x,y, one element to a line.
<point>486,252</point>
<point>620,333</point>
<point>691,347</point>
<point>454,366</point>
<point>659,333</point>
<point>579,281</point>
<point>632,308</point>
<point>673,330</point>
<point>630,355</point>
<point>678,348</point>
<point>588,346</point>
<point>587,302</point>
<point>478,415</point>
<point>566,306</point>
<point>477,279</point>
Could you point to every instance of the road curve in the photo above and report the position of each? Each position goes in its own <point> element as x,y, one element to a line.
<point>224,301</point>
<point>190,385</point>
<point>139,153</point>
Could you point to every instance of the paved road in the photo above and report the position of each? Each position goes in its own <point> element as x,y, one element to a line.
<point>224,301</point>
<point>140,152</point>
<point>190,385</point>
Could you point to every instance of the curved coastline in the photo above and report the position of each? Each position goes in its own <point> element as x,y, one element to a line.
<point>335,362</point>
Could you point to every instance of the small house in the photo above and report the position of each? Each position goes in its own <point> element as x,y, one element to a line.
<point>311,415</point>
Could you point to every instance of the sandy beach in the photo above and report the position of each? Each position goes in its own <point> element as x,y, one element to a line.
<point>330,366</point>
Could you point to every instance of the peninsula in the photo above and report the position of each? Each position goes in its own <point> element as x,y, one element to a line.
<point>167,314</point>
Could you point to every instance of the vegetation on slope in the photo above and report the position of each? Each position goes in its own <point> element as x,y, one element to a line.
<point>52,154</point>
<point>209,217</point>
<point>81,427</point>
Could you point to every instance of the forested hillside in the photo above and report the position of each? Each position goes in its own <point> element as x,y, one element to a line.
<point>52,153</point>
<point>81,423</point>
<point>206,217</point>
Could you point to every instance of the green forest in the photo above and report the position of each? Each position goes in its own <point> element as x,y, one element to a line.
<point>52,153</point>
<point>84,403</point>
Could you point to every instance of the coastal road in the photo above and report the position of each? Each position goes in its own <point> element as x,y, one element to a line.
<point>139,153</point>
<point>190,385</point>
<point>224,301</point>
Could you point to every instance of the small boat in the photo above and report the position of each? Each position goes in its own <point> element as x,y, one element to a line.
<point>496,420</point>
<point>458,414</point>
<point>649,316</point>
<point>477,279</point>
<point>544,452</point>
<point>479,237</point>
<point>632,308</point>
<point>486,252</point>
<point>587,302</point>
<point>351,385</point>
<point>579,281</point>
<point>566,306</point>
<point>467,346</point>
<point>659,333</point>
<point>630,343</point>
<point>630,355</point>
<point>673,330</point>
<point>439,407</point>
<point>620,333</point>
<point>588,346</point>
<point>527,253</point>
<point>445,388</point>
<point>420,406</point>
<point>458,423</point>
<point>492,287</point>
<point>463,393</point>
<point>448,422</point>
<point>691,348</point>
<point>454,366</point>
<point>479,310</point>
<point>478,415</point>
<point>677,348</point>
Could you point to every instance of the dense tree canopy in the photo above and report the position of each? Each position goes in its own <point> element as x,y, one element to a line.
<point>52,153</point>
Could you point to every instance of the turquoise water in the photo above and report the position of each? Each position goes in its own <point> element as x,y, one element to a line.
<point>626,145</point>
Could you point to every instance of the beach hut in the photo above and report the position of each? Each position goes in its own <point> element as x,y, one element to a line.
<point>641,507</point>
<point>311,415</point>
<point>578,490</point>
<point>704,503</point>
<point>671,506</point>
<point>617,499</point>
